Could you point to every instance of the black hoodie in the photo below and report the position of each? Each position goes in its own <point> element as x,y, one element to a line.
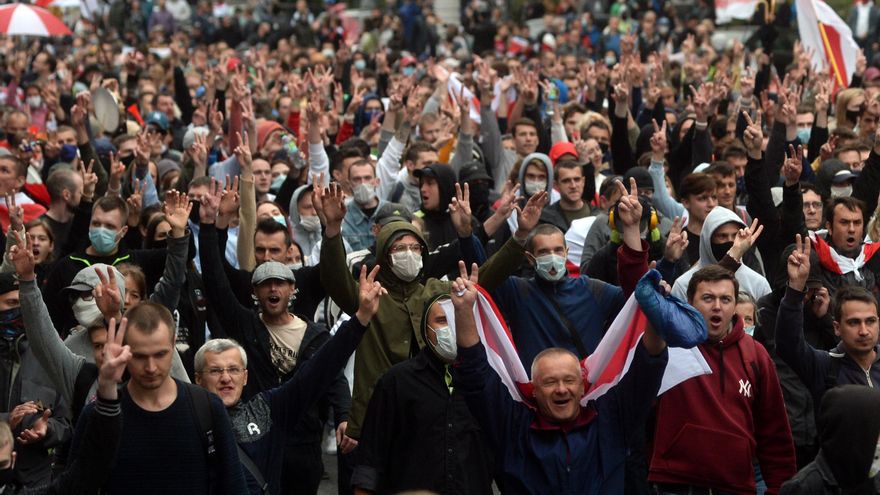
<point>438,224</point>
<point>849,426</point>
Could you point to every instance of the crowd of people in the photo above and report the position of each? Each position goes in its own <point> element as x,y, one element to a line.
<point>231,232</point>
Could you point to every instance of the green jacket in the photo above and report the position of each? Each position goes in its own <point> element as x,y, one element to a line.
<point>395,332</point>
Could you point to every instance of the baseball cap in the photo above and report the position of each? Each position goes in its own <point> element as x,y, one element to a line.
<point>272,270</point>
<point>392,212</point>
<point>87,279</point>
<point>473,170</point>
<point>842,176</point>
<point>408,61</point>
<point>7,283</point>
<point>427,171</point>
<point>642,177</point>
<point>158,119</point>
<point>562,148</point>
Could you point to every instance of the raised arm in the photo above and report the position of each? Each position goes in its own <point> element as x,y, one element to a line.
<point>167,292</point>
<point>247,212</point>
<point>336,278</point>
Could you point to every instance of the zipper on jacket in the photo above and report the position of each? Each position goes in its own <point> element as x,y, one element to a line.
<point>721,364</point>
<point>868,377</point>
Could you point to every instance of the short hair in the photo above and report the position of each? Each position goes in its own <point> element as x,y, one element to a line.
<point>216,346</point>
<point>847,148</point>
<point>711,273</point>
<point>146,318</point>
<point>42,222</point>
<point>572,109</point>
<point>112,203</point>
<point>809,186</point>
<point>21,167</point>
<point>203,181</point>
<point>428,119</point>
<point>568,165</point>
<point>541,229</point>
<point>734,149</point>
<point>695,184</point>
<point>524,121</point>
<point>412,153</point>
<point>721,168</point>
<point>269,226</point>
<point>60,180</point>
<point>361,163</point>
<point>551,351</point>
<point>597,123</point>
<point>608,187</point>
<point>121,139</point>
<point>136,274</point>
<point>852,204</point>
<point>848,293</point>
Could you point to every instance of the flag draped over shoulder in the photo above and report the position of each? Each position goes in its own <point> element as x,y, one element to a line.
<point>830,38</point>
<point>834,262</point>
<point>602,369</point>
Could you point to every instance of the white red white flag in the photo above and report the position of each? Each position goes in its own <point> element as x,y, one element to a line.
<point>602,370</point>
<point>829,37</point>
<point>728,10</point>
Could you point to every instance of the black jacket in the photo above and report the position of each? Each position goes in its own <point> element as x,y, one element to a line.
<point>245,326</point>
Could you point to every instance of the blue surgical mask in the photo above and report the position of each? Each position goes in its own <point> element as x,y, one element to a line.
<point>447,347</point>
<point>803,134</point>
<point>276,183</point>
<point>547,263</point>
<point>280,219</point>
<point>750,329</point>
<point>103,240</point>
<point>610,61</point>
<point>360,65</point>
<point>409,70</point>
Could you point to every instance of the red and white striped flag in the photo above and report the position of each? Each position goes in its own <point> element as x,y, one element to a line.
<point>834,262</point>
<point>454,88</point>
<point>830,38</point>
<point>602,369</point>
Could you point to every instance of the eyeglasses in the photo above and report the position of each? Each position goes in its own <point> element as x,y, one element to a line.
<point>218,372</point>
<point>402,248</point>
<point>814,205</point>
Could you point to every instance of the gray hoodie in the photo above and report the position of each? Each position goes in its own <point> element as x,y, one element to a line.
<point>307,240</point>
<point>750,281</point>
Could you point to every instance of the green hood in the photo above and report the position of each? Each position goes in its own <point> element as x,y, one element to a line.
<point>387,236</point>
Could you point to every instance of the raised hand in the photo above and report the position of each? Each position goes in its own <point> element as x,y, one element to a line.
<point>116,356</point>
<point>117,170</point>
<point>460,211</point>
<point>177,209</point>
<point>527,218</point>
<point>107,295</point>
<point>745,239</point>
<point>629,207</point>
<point>659,144</point>
<point>16,213</point>
<point>135,201</point>
<point>21,255</point>
<point>676,241</point>
<point>463,290</point>
<point>370,292</point>
<point>700,101</point>
<point>210,203</point>
<point>793,165</point>
<point>799,263</point>
<point>333,206</point>
<point>753,137</point>
<point>90,180</point>
<point>230,200</point>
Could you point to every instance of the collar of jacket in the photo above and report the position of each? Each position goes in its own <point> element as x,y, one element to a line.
<point>585,417</point>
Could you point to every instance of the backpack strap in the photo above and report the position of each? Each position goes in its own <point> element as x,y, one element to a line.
<point>200,403</point>
<point>81,386</point>
<point>575,338</point>
<point>252,468</point>
<point>397,192</point>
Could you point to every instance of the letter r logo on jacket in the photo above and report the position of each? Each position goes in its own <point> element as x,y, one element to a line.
<point>253,429</point>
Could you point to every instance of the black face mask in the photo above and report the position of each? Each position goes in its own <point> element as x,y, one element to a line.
<point>127,160</point>
<point>479,194</point>
<point>194,213</point>
<point>8,477</point>
<point>853,116</point>
<point>163,244</point>
<point>719,250</point>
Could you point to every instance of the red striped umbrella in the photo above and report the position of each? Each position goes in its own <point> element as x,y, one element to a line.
<point>22,19</point>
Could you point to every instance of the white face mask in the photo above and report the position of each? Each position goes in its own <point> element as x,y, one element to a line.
<point>446,346</point>
<point>406,265</point>
<point>535,186</point>
<point>841,192</point>
<point>295,266</point>
<point>545,264</point>
<point>363,193</point>
<point>34,101</point>
<point>87,313</point>
<point>311,223</point>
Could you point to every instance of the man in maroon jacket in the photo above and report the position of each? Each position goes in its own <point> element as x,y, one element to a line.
<point>711,428</point>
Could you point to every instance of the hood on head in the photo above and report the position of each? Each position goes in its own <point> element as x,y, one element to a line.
<point>424,323</point>
<point>360,115</point>
<point>849,427</point>
<point>716,218</point>
<point>548,164</point>
<point>390,233</point>
<point>445,177</point>
<point>294,211</point>
<point>826,173</point>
